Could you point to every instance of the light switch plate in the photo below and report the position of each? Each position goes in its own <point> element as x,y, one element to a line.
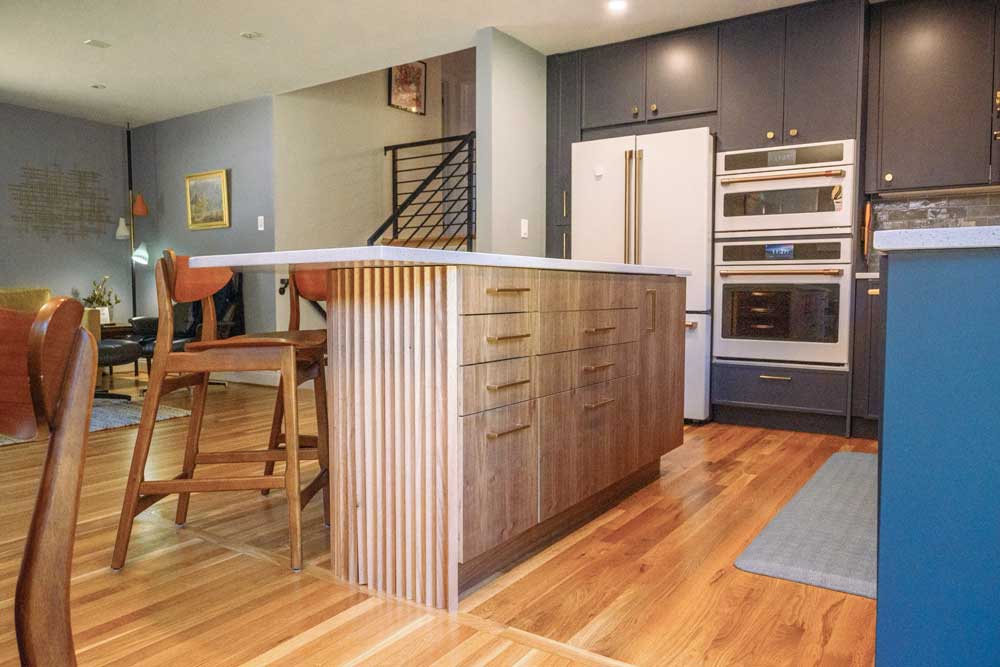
<point>524,228</point>
<point>260,223</point>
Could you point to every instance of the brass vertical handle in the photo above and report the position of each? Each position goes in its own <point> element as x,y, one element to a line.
<point>564,203</point>
<point>652,319</point>
<point>996,101</point>
<point>868,228</point>
<point>628,192</point>
<point>637,252</point>
<point>564,246</point>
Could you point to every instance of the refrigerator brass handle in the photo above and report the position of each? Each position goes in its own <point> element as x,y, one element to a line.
<point>506,290</point>
<point>564,203</point>
<point>868,228</point>
<point>776,378</point>
<point>628,192</point>
<point>598,367</point>
<point>564,246</point>
<point>592,330</point>
<point>652,320</point>
<point>506,385</point>
<point>875,291</point>
<point>637,252</point>
<point>690,325</point>
<point>493,435</point>
<point>725,273</point>
<point>599,404</point>
<point>827,173</point>
<point>500,339</point>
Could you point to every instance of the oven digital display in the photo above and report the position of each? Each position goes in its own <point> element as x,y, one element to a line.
<point>779,251</point>
<point>781,158</point>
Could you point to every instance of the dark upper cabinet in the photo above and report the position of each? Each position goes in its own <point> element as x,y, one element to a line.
<point>614,84</point>
<point>934,62</point>
<point>563,128</point>
<point>750,72</point>
<point>682,73</point>
<point>822,71</point>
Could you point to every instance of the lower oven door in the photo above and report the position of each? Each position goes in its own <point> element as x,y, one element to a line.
<point>797,314</point>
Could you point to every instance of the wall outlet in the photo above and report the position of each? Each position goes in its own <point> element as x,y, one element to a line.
<point>260,223</point>
<point>524,228</point>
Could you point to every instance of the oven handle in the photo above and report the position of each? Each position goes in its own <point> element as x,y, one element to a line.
<point>783,177</point>
<point>725,273</point>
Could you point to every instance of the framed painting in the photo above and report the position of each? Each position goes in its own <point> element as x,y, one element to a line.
<point>207,200</point>
<point>408,87</point>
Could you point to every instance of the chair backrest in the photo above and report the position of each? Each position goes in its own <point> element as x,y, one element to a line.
<point>311,285</point>
<point>60,372</point>
<point>177,282</point>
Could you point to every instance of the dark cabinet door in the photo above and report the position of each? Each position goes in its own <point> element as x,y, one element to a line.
<point>936,95</point>
<point>569,132</point>
<point>682,73</point>
<point>614,84</point>
<point>822,61</point>
<point>876,343</point>
<point>750,74</point>
<point>869,350</point>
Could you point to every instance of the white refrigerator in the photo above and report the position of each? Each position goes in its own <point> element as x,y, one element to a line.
<point>647,199</point>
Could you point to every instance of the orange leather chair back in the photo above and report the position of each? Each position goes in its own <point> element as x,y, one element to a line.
<point>187,284</point>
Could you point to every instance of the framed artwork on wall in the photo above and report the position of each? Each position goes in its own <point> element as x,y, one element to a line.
<point>408,87</point>
<point>207,200</point>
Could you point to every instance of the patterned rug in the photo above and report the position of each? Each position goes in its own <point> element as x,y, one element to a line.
<point>110,413</point>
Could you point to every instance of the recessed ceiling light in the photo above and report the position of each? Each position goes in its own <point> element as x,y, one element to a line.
<point>617,6</point>
<point>251,35</point>
<point>96,43</point>
<point>98,86</point>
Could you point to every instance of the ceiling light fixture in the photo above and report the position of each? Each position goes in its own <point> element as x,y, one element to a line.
<point>617,6</point>
<point>96,43</point>
<point>98,86</point>
<point>251,35</point>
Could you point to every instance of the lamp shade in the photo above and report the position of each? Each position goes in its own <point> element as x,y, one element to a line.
<point>141,255</point>
<point>122,232</point>
<point>139,208</point>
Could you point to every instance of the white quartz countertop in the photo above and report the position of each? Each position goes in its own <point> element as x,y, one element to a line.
<point>381,256</point>
<point>937,238</point>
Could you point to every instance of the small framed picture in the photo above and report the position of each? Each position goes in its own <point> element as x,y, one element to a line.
<point>408,87</point>
<point>207,200</point>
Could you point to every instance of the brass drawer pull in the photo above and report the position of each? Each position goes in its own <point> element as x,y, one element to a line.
<point>599,329</point>
<point>725,273</point>
<point>828,173</point>
<point>760,310</point>
<point>507,290</point>
<point>598,367</point>
<point>779,378</point>
<point>690,325</point>
<point>875,291</point>
<point>599,404</point>
<point>506,385</point>
<point>490,435</point>
<point>500,339</point>
<point>762,326</point>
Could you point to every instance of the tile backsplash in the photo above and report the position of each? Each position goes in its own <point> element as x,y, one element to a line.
<point>953,210</point>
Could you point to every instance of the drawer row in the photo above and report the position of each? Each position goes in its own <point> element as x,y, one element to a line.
<point>498,290</point>
<point>510,335</point>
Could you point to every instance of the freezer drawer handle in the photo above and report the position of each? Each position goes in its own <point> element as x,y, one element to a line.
<point>776,378</point>
<point>500,339</point>
<point>828,173</point>
<point>725,273</point>
<point>493,435</point>
<point>506,385</point>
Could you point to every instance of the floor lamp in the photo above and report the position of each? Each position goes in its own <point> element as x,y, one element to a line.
<point>137,209</point>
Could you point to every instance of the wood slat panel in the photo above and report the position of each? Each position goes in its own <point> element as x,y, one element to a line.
<point>394,333</point>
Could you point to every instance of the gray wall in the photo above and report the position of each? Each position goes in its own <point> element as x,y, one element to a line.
<point>239,138</point>
<point>58,246</point>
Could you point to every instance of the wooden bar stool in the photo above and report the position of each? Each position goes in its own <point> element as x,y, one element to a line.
<point>297,355</point>
<point>310,285</point>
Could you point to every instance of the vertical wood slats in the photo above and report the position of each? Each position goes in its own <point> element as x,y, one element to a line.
<point>394,434</point>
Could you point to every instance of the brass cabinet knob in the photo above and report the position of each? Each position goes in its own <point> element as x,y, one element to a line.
<point>653,107</point>
<point>770,134</point>
<point>793,132</point>
<point>888,177</point>
<point>996,135</point>
<point>635,110</point>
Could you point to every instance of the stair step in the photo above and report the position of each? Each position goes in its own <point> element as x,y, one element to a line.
<point>427,242</point>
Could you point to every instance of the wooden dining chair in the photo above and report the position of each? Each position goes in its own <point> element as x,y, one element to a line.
<point>48,369</point>
<point>310,285</point>
<point>297,355</point>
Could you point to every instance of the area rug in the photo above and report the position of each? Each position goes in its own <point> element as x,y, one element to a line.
<point>110,413</point>
<point>826,534</point>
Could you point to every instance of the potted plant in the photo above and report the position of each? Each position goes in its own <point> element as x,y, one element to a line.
<point>103,298</point>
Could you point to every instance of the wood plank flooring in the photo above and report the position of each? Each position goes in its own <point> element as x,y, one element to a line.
<point>650,582</point>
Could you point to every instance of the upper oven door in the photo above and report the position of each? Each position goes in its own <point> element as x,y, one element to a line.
<point>792,199</point>
<point>789,313</point>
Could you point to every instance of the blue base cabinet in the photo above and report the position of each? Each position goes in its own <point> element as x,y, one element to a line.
<point>939,495</point>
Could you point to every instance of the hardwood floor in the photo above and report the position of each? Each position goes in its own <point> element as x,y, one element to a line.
<point>650,582</point>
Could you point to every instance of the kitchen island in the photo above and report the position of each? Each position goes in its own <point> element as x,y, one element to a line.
<point>483,405</point>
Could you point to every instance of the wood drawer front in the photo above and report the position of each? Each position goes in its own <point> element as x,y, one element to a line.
<point>561,332</point>
<point>491,385</point>
<point>490,289</point>
<point>567,370</point>
<point>500,476</point>
<point>494,337</point>
<point>572,290</point>
<point>801,390</point>
<point>587,441</point>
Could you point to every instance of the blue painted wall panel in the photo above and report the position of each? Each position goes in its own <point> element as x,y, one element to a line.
<point>939,530</point>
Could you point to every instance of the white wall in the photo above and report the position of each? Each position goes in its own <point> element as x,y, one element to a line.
<point>510,144</point>
<point>332,180</point>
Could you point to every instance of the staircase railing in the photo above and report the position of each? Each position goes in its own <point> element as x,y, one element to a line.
<point>433,194</point>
